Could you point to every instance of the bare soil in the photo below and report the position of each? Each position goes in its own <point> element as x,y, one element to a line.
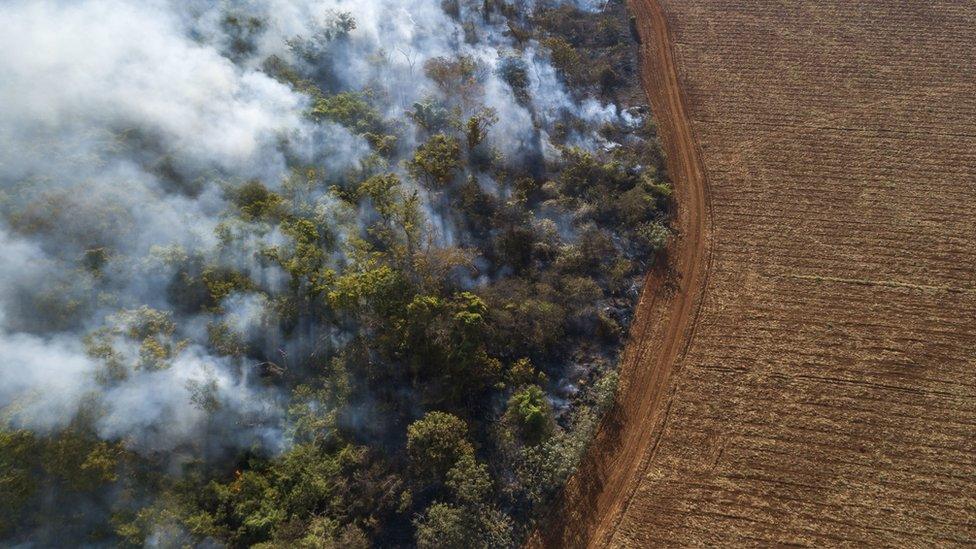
<point>811,377</point>
<point>665,319</point>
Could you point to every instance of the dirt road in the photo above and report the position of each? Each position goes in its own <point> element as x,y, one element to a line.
<point>665,317</point>
<point>811,381</point>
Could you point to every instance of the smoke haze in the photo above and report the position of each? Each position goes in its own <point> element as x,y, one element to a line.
<point>122,124</point>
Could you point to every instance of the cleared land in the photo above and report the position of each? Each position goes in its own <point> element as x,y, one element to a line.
<point>824,392</point>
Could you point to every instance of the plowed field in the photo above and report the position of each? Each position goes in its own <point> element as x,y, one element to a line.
<point>812,380</point>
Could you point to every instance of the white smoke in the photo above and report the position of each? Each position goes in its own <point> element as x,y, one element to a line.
<point>43,381</point>
<point>110,64</point>
<point>78,78</point>
<point>101,96</point>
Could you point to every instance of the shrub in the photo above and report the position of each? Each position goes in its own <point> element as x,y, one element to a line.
<point>653,236</point>
<point>566,59</point>
<point>469,480</point>
<point>435,443</point>
<point>437,161</point>
<point>515,72</point>
<point>531,414</point>
<point>444,526</point>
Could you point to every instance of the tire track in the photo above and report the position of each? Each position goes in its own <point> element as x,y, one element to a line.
<point>597,495</point>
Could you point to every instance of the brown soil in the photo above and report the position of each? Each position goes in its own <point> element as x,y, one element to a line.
<point>811,379</point>
<point>664,322</point>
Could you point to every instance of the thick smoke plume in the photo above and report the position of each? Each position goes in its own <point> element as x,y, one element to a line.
<point>123,124</point>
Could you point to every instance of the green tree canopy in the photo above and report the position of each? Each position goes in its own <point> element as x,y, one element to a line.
<point>435,443</point>
<point>436,162</point>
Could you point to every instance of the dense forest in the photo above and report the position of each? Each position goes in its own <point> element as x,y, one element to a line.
<point>314,274</point>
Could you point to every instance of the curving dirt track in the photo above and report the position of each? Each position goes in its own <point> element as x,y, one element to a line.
<point>812,380</point>
<point>665,321</point>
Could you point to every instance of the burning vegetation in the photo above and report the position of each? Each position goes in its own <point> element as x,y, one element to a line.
<point>310,273</point>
